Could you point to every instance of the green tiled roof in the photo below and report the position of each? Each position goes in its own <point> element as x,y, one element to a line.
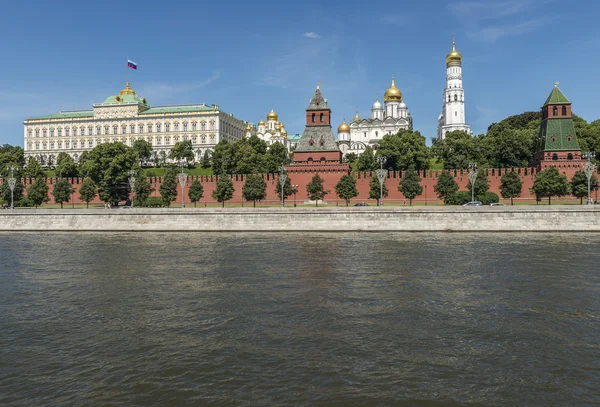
<point>112,100</point>
<point>65,115</point>
<point>554,135</point>
<point>557,97</point>
<point>178,109</point>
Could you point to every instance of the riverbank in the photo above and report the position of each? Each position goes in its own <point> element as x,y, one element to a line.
<point>355,219</point>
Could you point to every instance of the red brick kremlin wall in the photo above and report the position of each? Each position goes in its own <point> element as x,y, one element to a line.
<point>331,177</point>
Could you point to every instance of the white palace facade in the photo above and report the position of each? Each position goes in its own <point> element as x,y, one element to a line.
<point>387,118</point>
<point>125,118</point>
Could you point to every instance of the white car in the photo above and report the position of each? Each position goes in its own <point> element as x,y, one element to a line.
<point>497,204</point>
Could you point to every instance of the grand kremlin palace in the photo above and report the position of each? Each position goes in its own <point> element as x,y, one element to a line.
<point>127,117</point>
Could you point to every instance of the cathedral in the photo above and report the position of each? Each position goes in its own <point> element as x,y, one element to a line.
<point>387,118</point>
<point>453,110</point>
<point>271,132</point>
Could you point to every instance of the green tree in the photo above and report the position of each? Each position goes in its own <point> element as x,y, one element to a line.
<point>254,189</point>
<point>456,150</point>
<point>346,188</point>
<point>142,190</point>
<point>62,191</point>
<point>108,165</point>
<point>65,166</point>
<point>206,161</point>
<point>143,150</point>
<point>11,155</point>
<point>182,150</point>
<point>168,186</point>
<point>87,191</point>
<point>162,158</point>
<point>511,186</point>
<point>404,150</point>
<point>37,192</point>
<point>410,185</point>
<point>34,170</point>
<point>366,161</point>
<point>315,189</point>
<point>350,157</point>
<point>222,158</point>
<point>287,189</point>
<point>195,192</point>
<point>18,192</point>
<point>579,185</point>
<point>276,157</point>
<point>446,187</point>
<point>375,188</point>
<point>223,191</point>
<point>550,182</point>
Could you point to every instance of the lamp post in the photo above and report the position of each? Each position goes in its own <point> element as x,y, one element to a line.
<point>472,178</point>
<point>282,179</point>
<point>589,168</point>
<point>381,174</point>
<point>294,190</point>
<point>182,179</point>
<point>11,184</point>
<point>131,180</point>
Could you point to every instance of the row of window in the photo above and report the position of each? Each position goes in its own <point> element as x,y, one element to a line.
<point>115,129</point>
<point>455,98</point>
<point>90,143</point>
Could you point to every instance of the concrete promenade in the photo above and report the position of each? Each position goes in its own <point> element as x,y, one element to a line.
<point>568,218</point>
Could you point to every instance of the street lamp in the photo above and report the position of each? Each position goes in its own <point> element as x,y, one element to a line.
<point>381,175</point>
<point>472,178</point>
<point>294,190</point>
<point>182,179</point>
<point>131,180</point>
<point>589,168</point>
<point>11,184</point>
<point>282,179</point>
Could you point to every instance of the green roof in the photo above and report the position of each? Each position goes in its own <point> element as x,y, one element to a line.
<point>178,109</point>
<point>555,134</point>
<point>65,115</point>
<point>112,100</point>
<point>557,98</point>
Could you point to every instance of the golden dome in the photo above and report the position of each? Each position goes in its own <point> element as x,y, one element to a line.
<point>278,126</point>
<point>393,93</point>
<point>127,90</point>
<point>344,128</point>
<point>248,127</point>
<point>261,123</point>
<point>272,115</point>
<point>454,55</point>
<point>356,117</point>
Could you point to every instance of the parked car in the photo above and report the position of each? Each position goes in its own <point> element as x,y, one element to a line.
<point>360,204</point>
<point>473,203</point>
<point>497,204</point>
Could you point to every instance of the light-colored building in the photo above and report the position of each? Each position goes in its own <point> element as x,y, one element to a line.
<point>453,110</point>
<point>125,118</point>
<point>271,132</point>
<point>387,118</point>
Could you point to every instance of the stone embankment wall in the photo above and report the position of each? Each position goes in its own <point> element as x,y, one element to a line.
<point>457,219</point>
<point>429,179</point>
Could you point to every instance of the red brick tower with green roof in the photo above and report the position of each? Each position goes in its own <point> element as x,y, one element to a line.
<point>556,145</point>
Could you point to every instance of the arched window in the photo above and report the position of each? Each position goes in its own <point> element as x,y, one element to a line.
<point>449,98</point>
<point>37,132</point>
<point>115,129</point>
<point>555,111</point>
<point>554,157</point>
<point>105,130</point>
<point>203,139</point>
<point>149,127</point>
<point>212,124</point>
<point>51,132</point>
<point>322,117</point>
<point>132,128</point>
<point>203,125</point>
<point>194,125</point>
<point>310,160</point>
<point>314,117</point>
<point>455,98</point>
<point>158,127</point>
<point>98,130</point>
<point>67,130</point>
<point>167,127</point>
<point>569,138</point>
<point>59,132</point>
<point>569,156</point>
<point>176,126</point>
<point>323,159</point>
<point>564,110</point>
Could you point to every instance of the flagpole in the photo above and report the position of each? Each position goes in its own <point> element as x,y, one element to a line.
<point>127,71</point>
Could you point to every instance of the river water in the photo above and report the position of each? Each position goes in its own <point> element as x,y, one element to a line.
<point>125,319</point>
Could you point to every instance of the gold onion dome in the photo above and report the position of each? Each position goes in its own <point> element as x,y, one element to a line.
<point>278,126</point>
<point>261,123</point>
<point>356,117</point>
<point>272,115</point>
<point>393,93</point>
<point>248,127</point>
<point>127,90</point>
<point>344,128</point>
<point>454,55</point>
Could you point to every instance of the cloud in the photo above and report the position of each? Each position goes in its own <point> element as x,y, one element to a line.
<point>312,35</point>
<point>491,20</point>
<point>157,89</point>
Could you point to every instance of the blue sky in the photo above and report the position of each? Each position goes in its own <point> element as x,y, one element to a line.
<point>250,56</point>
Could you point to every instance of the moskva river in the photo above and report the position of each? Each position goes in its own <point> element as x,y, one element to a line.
<point>273,319</point>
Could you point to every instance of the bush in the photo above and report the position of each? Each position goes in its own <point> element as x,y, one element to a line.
<point>488,198</point>
<point>153,202</point>
<point>24,203</point>
<point>458,198</point>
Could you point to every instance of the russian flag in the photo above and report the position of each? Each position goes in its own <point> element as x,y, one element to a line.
<point>131,64</point>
